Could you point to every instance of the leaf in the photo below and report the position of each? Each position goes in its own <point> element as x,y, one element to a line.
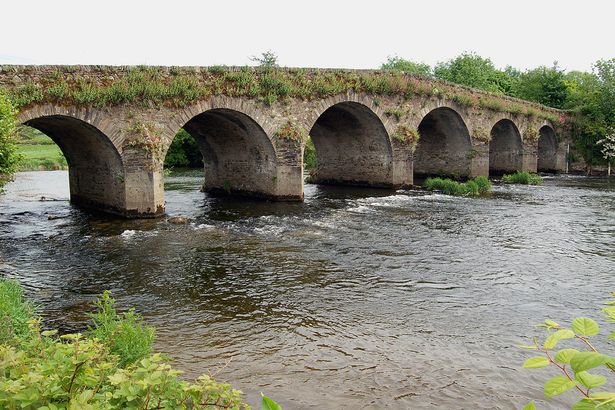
<point>529,347</point>
<point>529,406</point>
<point>584,405</point>
<point>561,334</point>
<point>612,336</point>
<point>558,385</point>
<point>536,362</point>
<point>268,404</point>
<point>587,360</point>
<point>591,381</point>
<point>564,355</point>
<point>550,342</point>
<point>585,326</point>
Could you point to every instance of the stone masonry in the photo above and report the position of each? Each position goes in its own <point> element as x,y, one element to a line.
<point>115,153</point>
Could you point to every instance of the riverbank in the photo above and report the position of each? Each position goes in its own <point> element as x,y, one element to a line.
<point>38,152</point>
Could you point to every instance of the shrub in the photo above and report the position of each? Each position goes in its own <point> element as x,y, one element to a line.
<point>484,185</point>
<point>184,152</point>
<point>39,370</point>
<point>125,335</point>
<point>525,178</point>
<point>573,365</point>
<point>9,158</point>
<point>474,187</point>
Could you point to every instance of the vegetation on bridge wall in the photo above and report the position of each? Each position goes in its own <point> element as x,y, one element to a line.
<point>175,86</point>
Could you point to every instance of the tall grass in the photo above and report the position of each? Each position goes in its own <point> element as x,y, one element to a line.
<point>15,312</point>
<point>126,335</point>
<point>525,178</point>
<point>474,187</point>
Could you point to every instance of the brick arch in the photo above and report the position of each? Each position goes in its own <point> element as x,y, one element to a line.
<point>505,147</point>
<point>95,117</point>
<point>353,144</point>
<point>445,145</point>
<point>320,106</point>
<point>547,148</point>
<point>249,107</point>
<point>239,155</point>
<point>95,166</point>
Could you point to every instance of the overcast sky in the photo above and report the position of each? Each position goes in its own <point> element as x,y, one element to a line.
<point>313,33</point>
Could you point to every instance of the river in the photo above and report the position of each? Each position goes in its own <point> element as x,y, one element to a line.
<point>355,298</point>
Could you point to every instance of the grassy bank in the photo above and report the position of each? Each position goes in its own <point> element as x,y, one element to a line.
<point>38,152</point>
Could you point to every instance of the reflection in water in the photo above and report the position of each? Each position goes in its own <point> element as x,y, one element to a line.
<point>352,299</point>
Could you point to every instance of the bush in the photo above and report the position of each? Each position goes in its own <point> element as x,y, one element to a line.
<point>9,158</point>
<point>573,365</point>
<point>474,187</point>
<point>39,370</point>
<point>184,152</point>
<point>125,335</point>
<point>522,178</point>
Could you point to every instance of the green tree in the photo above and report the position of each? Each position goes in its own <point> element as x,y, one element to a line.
<point>267,59</point>
<point>474,71</point>
<point>399,64</point>
<point>592,97</point>
<point>545,85</point>
<point>9,158</point>
<point>184,152</point>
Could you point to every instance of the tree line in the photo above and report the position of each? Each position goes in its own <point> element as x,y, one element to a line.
<point>589,95</point>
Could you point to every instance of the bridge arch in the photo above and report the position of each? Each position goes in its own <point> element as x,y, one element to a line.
<point>547,149</point>
<point>505,148</point>
<point>95,167</point>
<point>444,146</point>
<point>238,154</point>
<point>352,145</point>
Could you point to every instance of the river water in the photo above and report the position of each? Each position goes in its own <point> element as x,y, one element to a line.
<point>356,298</point>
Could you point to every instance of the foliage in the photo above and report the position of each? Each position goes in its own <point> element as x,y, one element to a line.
<point>545,85</point>
<point>525,178</point>
<point>472,70</point>
<point>267,59</point>
<point>184,152</point>
<point>576,367</point>
<point>181,86</point>
<point>9,158</point>
<point>403,133</point>
<point>39,370</point>
<point>474,187</point>
<point>125,335</point>
<point>399,64</point>
<point>15,313</point>
<point>309,155</point>
<point>607,145</point>
<point>592,96</point>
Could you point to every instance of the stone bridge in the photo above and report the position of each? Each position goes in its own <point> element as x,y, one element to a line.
<point>371,128</point>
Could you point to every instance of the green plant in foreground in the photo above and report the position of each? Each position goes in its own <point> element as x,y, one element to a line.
<point>15,313</point>
<point>39,370</point>
<point>526,178</point>
<point>126,335</point>
<point>574,365</point>
<point>474,187</point>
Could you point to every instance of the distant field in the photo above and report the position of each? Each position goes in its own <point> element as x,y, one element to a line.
<point>39,152</point>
